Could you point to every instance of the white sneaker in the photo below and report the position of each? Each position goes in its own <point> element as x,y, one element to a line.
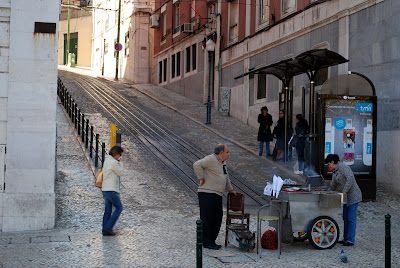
<point>298,172</point>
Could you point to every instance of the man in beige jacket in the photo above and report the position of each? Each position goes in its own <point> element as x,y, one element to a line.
<point>213,180</point>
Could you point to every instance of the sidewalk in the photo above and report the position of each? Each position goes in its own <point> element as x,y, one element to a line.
<point>157,226</point>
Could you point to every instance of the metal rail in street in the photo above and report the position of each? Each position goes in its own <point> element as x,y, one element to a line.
<point>175,153</point>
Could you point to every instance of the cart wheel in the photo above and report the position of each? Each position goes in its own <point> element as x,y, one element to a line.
<point>323,232</point>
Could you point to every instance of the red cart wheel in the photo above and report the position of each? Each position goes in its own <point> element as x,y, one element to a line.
<point>323,232</point>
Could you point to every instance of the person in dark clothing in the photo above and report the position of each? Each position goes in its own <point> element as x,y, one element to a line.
<point>301,131</point>
<point>279,134</point>
<point>264,131</point>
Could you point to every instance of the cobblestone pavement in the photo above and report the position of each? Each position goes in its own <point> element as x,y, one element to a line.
<point>157,226</point>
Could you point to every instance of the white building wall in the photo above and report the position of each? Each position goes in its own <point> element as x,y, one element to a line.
<point>28,106</point>
<point>134,63</point>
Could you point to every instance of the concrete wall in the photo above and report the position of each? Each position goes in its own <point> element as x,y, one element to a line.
<point>84,27</point>
<point>374,51</point>
<point>365,32</point>
<point>28,79</point>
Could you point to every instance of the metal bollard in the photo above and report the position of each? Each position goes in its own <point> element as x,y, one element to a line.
<point>103,153</point>
<point>91,142</point>
<point>118,137</point>
<point>79,121</point>
<point>76,116</point>
<point>83,127</point>
<point>96,152</point>
<point>69,106</point>
<point>87,134</point>
<point>73,111</point>
<point>388,242</point>
<point>199,244</point>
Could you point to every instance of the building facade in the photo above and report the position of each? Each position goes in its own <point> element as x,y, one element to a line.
<point>81,28</point>
<point>252,33</point>
<point>28,86</point>
<point>135,38</point>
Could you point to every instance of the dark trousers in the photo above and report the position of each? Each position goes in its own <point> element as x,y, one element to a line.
<point>211,215</point>
<point>300,154</point>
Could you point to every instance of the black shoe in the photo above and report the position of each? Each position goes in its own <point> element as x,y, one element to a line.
<point>110,232</point>
<point>213,247</point>
<point>341,242</point>
<point>260,154</point>
<point>348,244</point>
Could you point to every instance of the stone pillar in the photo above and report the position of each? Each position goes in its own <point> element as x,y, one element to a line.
<point>28,198</point>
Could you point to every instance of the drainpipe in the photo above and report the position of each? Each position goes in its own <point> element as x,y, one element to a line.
<point>68,32</point>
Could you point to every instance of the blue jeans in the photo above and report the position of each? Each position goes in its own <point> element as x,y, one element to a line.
<point>267,151</point>
<point>111,199</point>
<point>350,222</point>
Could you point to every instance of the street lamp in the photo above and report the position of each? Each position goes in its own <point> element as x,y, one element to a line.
<point>210,47</point>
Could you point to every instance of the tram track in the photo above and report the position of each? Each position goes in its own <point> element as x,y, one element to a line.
<point>174,152</point>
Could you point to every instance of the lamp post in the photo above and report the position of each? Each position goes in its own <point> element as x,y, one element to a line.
<point>210,47</point>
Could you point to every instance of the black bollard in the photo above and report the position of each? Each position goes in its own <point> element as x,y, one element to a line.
<point>103,154</point>
<point>388,242</point>
<point>91,142</point>
<point>199,244</point>
<point>83,127</point>
<point>87,134</point>
<point>79,121</point>
<point>96,152</point>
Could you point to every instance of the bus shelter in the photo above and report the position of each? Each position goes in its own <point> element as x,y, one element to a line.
<point>309,63</point>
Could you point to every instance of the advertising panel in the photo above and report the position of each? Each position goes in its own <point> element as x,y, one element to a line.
<point>349,132</point>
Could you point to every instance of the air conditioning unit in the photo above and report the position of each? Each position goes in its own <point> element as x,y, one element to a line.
<point>187,28</point>
<point>154,21</point>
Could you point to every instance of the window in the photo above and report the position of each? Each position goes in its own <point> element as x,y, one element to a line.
<point>193,12</point>
<point>127,44</point>
<point>163,22</point>
<point>263,11</point>
<point>191,58</point>
<point>188,59</point>
<point>261,86</point>
<point>177,18</point>
<point>233,20</point>
<point>288,6</point>
<point>165,70</point>
<point>176,65</point>
<point>162,71</point>
<point>173,66</point>
<point>194,54</point>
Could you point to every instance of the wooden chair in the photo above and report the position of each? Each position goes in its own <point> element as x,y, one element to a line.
<point>235,211</point>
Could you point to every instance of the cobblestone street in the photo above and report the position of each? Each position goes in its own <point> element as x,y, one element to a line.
<point>158,225</point>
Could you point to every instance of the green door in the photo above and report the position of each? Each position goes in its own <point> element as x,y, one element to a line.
<point>73,46</point>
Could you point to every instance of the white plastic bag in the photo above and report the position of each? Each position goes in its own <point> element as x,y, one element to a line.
<point>268,189</point>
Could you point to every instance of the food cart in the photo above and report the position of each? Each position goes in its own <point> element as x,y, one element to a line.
<point>314,214</point>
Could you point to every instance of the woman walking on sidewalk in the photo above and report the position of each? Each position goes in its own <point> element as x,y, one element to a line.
<point>112,171</point>
<point>264,132</point>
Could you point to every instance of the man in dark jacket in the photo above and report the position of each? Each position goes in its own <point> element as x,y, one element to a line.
<point>264,132</point>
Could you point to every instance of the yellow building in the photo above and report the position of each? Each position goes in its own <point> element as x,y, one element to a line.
<point>81,28</point>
